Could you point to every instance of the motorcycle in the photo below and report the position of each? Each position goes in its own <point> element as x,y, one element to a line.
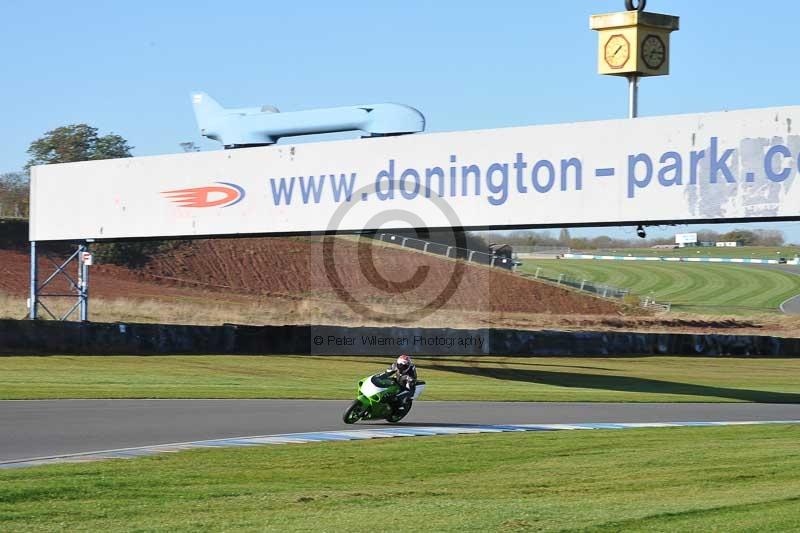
<point>375,400</point>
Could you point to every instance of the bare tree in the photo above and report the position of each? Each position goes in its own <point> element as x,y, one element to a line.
<point>189,146</point>
<point>14,195</point>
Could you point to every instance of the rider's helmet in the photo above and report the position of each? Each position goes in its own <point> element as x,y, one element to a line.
<point>403,363</point>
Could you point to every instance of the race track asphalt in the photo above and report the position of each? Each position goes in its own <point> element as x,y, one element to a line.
<point>44,428</point>
<point>792,305</point>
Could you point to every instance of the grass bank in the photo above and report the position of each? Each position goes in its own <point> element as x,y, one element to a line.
<point>745,252</point>
<point>708,288</point>
<point>701,479</point>
<point>649,379</point>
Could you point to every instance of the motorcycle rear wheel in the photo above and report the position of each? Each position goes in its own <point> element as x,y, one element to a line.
<point>398,415</point>
<point>354,413</point>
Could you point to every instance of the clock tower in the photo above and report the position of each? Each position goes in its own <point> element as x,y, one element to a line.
<point>634,43</point>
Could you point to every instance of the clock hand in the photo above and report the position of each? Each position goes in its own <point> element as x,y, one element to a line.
<point>617,50</point>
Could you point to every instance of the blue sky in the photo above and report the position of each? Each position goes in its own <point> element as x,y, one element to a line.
<point>129,67</point>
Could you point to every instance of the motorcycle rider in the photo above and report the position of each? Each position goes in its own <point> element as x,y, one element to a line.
<point>404,373</point>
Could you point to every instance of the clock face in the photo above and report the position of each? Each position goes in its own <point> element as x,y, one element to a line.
<point>654,52</point>
<point>617,51</point>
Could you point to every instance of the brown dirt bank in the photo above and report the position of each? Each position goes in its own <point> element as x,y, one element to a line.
<point>284,281</point>
<point>371,275</point>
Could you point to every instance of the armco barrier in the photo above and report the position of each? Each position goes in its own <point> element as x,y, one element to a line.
<point>18,337</point>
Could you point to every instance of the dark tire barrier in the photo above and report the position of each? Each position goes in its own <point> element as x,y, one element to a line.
<point>24,337</point>
<point>13,234</point>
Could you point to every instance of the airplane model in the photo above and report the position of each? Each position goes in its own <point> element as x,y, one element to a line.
<point>264,125</point>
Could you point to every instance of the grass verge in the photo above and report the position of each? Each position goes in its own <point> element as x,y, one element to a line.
<point>311,310</point>
<point>648,379</point>
<point>699,479</point>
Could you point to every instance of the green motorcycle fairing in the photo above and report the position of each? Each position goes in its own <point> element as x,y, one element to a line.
<point>372,400</point>
<point>373,393</point>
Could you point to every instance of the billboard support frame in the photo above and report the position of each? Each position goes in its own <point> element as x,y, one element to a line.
<point>80,287</point>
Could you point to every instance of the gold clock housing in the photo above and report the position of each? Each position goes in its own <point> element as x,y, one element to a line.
<point>634,42</point>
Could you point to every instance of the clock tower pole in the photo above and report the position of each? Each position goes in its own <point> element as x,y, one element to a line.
<point>633,96</point>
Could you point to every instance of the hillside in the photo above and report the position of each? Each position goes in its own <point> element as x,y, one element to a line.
<point>284,280</point>
<point>369,273</point>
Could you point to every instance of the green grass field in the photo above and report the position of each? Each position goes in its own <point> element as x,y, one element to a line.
<point>698,288</point>
<point>648,379</point>
<point>744,478</point>
<point>752,252</point>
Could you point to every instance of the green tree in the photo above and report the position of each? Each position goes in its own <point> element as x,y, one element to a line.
<point>746,237</point>
<point>76,142</point>
<point>133,254</point>
<point>81,142</point>
<point>564,237</point>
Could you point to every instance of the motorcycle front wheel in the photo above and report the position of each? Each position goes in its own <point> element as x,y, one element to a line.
<point>354,413</point>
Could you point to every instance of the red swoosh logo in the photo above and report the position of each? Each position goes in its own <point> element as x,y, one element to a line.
<point>202,196</point>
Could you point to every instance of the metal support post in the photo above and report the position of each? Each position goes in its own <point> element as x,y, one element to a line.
<point>83,284</point>
<point>633,96</point>
<point>33,300</point>
<point>85,312</point>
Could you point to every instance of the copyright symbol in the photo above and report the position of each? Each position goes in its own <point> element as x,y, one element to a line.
<point>318,340</point>
<point>391,299</point>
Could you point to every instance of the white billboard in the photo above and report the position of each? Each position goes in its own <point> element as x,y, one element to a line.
<point>685,238</point>
<point>706,167</point>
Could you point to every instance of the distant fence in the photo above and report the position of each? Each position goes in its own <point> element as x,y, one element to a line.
<point>454,252</point>
<point>559,278</point>
<point>538,249</point>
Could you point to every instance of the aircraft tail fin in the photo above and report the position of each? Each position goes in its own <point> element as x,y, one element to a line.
<point>206,109</point>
